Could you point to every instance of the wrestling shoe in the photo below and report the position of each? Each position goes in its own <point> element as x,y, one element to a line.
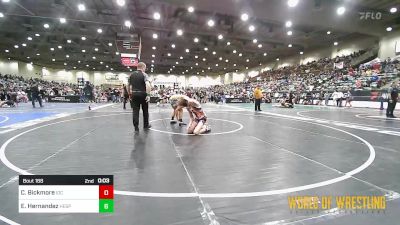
<point>182,124</point>
<point>172,121</point>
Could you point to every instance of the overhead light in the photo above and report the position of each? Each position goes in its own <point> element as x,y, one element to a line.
<point>179,32</point>
<point>187,50</point>
<point>74,67</point>
<point>196,40</point>
<point>301,53</point>
<point>173,46</point>
<point>83,50</point>
<point>328,32</point>
<point>87,65</point>
<point>16,46</point>
<point>110,44</point>
<point>288,24</point>
<point>209,68</point>
<point>234,64</point>
<point>81,7</point>
<point>5,1</point>
<point>216,65</point>
<point>247,67</point>
<point>106,66</point>
<point>259,46</point>
<point>177,63</point>
<point>127,23</point>
<point>289,33</point>
<point>252,28</point>
<point>210,23</point>
<point>152,61</point>
<point>181,58</point>
<point>155,36</point>
<point>240,54</point>
<point>154,48</point>
<point>340,10</point>
<point>53,60</point>
<point>67,56</point>
<point>101,63</point>
<point>51,49</point>
<point>214,53</point>
<point>116,53</point>
<point>69,41</point>
<point>335,43</point>
<point>169,54</point>
<point>96,49</point>
<point>79,61</point>
<point>289,45</point>
<point>63,20</point>
<point>196,56</point>
<point>65,64</point>
<point>234,51</point>
<point>226,60</point>
<point>37,35</point>
<point>244,17</point>
<point>388,29</point>
<point>1,15</point>
<point>190,9</point>
<point>99,30</point>
<point>121,2</point>
<point>247,60</point>
<point>197,64</point>
<point>46,25</point>
<point>94,57</point>
<point>292,3</point>
<point>393,10</point>
<point>153,56</point>
<point>265,54</point>
<point>228,43</point>
<point>220,58</point>
<point>60,47</point>
<point>277,59</point>
<point>156,16</point>
<point>204,59</point>
<point>205,49</point>
<point>23,44</point>
<point>29,39</point>
<point>83,38</point>
<point>7,50</point>
<point>220,37</point>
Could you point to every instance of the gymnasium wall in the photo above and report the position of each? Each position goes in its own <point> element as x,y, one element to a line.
<point>99,77</point>
<point>387,45</point>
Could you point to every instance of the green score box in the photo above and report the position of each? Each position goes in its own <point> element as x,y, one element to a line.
<point>106,206</point>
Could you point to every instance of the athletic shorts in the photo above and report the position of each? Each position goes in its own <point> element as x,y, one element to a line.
<point>174,103</point>
<point>204,119</point>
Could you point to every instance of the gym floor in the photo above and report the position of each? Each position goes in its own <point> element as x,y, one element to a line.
<point>240,173</point>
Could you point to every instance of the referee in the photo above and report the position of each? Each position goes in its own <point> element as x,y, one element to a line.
<point>393,95</point>
<point>139,90</point>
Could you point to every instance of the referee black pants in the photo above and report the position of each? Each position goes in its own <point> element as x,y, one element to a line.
<point>390,108</point>
<point>258,105</point>
<point>139,99</point>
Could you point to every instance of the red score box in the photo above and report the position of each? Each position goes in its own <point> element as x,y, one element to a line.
<point>106,192</point>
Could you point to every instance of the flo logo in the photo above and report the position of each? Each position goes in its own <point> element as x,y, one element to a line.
<point>370,15</point>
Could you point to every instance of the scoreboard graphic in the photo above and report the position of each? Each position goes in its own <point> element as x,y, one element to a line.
<point>129,46</point>
<point>66,194</point>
